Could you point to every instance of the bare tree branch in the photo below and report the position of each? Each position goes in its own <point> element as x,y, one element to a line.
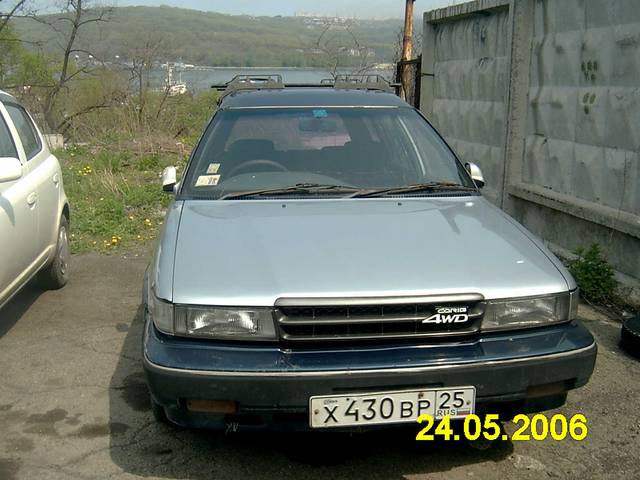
<point>78,14</point>
<point>142,59</point>
<point>64,126</point>
<point>19,40</point>
<point>87,53</point>
<point>5,17</point>
<point>80,71</point>
<point>334,47</point>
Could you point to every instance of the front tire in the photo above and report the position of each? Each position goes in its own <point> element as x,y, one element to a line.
<point>56,274</point>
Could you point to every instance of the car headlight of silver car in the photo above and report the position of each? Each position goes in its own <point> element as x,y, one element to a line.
<point>225,323</point>
<point>529,312</point>
<point>211,322</point>
<point>214,323</point>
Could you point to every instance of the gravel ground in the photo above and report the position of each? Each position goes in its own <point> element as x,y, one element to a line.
<point>73,404</point>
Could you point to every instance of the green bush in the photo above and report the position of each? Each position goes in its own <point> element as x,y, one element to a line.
<point>593,274</point>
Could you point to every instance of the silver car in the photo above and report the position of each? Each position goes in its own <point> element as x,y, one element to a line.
<point>34,211</point>
<point>328,262</point>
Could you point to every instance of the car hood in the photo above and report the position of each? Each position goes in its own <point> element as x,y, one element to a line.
<point>250,253</point>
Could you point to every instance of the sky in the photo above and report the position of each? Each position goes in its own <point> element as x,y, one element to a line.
<point>350,8</point>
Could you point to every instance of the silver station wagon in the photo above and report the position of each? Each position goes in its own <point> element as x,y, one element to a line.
<point>328,262</point>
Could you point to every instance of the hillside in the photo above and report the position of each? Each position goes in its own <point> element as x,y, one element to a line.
<point>206,38</point>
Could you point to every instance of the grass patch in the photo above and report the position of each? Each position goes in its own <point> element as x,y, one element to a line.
<point>116,198</point>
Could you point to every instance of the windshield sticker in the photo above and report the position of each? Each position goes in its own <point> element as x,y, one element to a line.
<point>213,168</point>
<point>208,180</point>
<point>320,114</point>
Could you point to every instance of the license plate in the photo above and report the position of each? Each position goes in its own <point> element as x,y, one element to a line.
<point>390,407</point>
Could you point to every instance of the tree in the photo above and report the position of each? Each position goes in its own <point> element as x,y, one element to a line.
<point>339,47</point>
<point>21,69</point>
<point>9,52</point>
<point>75,17</point>
<point>8,10</point>
<point>142,57</point>
<point>9,41</point>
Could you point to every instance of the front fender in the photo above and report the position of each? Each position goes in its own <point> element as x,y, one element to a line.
<point>161,270</point>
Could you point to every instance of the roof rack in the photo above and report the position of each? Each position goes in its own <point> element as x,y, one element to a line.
<point>250,82</point>
<point>274,82</point>
<point>364,82</point>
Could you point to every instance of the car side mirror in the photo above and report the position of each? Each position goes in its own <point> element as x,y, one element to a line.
<point>10,169</point>
<point>169,179</point>
<point>476,174</point>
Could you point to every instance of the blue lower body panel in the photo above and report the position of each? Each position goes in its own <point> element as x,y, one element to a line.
<point>513,372</point>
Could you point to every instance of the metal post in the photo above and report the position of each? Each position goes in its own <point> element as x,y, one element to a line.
<point>407,49</point>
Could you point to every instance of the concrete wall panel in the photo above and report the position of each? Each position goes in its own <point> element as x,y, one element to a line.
<point>623,125</point>
<point>545,96</point>
<point>584,89</point>
<point>626,60</point>
<point>569,232</point>
<point>469,91</point>
<point>600,13</point>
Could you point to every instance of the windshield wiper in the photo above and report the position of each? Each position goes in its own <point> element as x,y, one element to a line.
<point>415,188</point>
<point>298,188</point>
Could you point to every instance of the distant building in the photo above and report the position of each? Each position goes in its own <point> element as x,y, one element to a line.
<point>319,19</point>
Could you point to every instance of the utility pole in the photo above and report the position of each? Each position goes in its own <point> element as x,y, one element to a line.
<point>407,48</point>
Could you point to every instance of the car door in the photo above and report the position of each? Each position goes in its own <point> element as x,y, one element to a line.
<point>45,175</point>
<point>18,216</point>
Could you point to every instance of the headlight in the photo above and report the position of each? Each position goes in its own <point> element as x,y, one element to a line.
<point>225,323</point>
<point>530,311</point>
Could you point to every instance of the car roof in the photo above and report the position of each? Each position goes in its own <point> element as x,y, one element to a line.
<point>311,97</point>
<point>5,97</point>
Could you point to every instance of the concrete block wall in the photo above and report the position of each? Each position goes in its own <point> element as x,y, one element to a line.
<point>54,140</point>
<point>469,64</point>
<point>582,135</point>
<point>566,84</point>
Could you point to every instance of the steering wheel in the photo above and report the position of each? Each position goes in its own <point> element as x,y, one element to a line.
<point>253,163</point>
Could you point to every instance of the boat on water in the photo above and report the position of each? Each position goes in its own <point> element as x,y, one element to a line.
<point>171,86</point>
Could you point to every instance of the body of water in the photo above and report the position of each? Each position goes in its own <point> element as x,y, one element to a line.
<point>202,78</point>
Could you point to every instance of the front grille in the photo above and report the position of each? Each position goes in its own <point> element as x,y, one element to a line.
<point>368,320</point>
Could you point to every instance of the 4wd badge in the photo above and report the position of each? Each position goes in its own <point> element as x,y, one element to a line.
<point>448,315</point>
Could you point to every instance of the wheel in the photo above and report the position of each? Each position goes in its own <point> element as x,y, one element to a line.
<point>56,274</point>
<point>158,412</point>
<point>630,337</point>
<point>482,443</point>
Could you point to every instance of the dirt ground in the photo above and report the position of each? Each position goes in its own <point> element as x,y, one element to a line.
<point>73,404</point>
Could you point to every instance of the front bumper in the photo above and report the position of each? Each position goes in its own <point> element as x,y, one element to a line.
<point>513,373</point>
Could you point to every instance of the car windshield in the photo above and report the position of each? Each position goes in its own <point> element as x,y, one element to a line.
<point>320,151</point>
